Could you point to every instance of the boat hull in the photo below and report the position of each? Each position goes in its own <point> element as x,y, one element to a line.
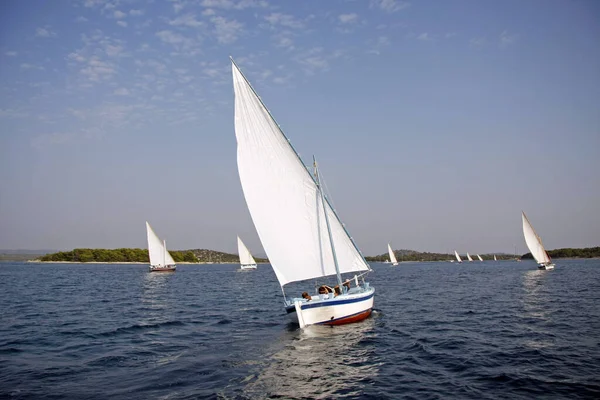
<point>546,266</point>
<point>344,309</point>
<point>163,269</point>
<point>248,267</point>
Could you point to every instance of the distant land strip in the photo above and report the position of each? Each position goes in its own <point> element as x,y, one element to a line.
<point>125,255</point>
<point>140,256</point>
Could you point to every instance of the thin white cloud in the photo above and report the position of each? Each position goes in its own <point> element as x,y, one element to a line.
<point>286,20</point>
<point>506,39</point>
<point>119,14</point>
<point>121,92</point>
<point>98,70</point>
<point>478,42</point>
<point>171,37</point>
<point>44,32</point>
<point>27,66</point>
<point>284,42</point>
<point>450,34</point>
<point>424,36</point>
<point>10,53</point>
<point>122,23</point>
<point>208,12</point>
<point>76,56</point>
<point>136,13</point>
<point>186,20</point>
<point>379,44</point>
<point>81,19</point>
<point>389,6</point>
<point>226,31</point>
<point>348,18</point>
<point>12,113</point>
<point>234,5</point>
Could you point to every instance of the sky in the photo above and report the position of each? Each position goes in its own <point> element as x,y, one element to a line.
<point>434,122</point>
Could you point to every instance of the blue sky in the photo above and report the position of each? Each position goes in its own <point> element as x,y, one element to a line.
<point>434,122</point>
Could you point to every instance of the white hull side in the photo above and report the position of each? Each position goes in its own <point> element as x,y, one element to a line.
<point>249,266</point>
<point>339,310</point>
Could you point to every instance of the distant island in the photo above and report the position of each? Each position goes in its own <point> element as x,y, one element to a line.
<point>411,255</point>
<point>141,256</point>
<point>212,256</point>
<point>587,252</point>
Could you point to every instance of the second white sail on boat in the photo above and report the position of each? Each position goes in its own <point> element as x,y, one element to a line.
<point>246,259</point>
<point>392,255</point>
<point>160,259</point>
<point>469,257</point>
<point>299,229</point>
<point>534,243</point>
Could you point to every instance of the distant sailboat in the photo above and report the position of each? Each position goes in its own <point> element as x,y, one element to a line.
<point>160,259</point>
<point>246,259</point>
<point>534,243</point>
<point>458,259</point>
<point>495,258</point>
<point>480,259</point>
<point>392,255</point>
<point>469,257</point>
<point>300,231</point>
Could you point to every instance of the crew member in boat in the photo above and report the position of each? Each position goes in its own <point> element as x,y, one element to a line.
<point>324,289</point>
<point>306,296</point>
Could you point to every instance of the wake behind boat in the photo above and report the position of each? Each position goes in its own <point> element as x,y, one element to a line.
<point>160,259</point>
<point>534,243</point>
<point>246,260</point>
<point>299,229</point>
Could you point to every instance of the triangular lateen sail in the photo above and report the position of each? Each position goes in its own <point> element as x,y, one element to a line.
<point>392,255</point>
<point>159,256</point>
<point>245,256</point>
<point>469,257</point>
<point>480,259</point>
<point>457,256</point>
<point>283,198</point>
<point>534,243</point>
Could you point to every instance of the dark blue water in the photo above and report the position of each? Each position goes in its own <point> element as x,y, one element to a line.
<point>476,331</point>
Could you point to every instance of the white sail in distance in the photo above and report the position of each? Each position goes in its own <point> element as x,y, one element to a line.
<point>392,255</point>
<point>495,258</point>
<point>245,256</point>
<point>457,256</point>
<point>157,249</point>
<point>283,197</point>
<point>534,242</point>
<point>480,259</point>
<point>469,257</point>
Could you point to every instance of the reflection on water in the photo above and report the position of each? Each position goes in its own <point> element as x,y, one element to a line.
<point>535,308</point>
<point>319,362</point>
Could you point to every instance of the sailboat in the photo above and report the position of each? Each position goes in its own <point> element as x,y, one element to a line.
<point>458,259</point>
<point>534,243</point>
<point>469,257</point>
<point>300,231</point>
<point>495,258</point>
<point>246,259</point>
<point>160,259</point>
<point>480,259</point>
<point>392,255</point>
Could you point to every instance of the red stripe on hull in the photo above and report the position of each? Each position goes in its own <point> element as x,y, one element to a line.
<point>349,320</point>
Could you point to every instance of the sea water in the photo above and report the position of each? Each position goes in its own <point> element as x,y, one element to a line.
<point>481,330</point>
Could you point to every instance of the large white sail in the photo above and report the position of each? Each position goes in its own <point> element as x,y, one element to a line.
<point>283,198</point>
<point>457,256</point>
<point>469,257</point>
<point>480,259</point>
<point>495,259</point>
<point>392,255</point>
<point>534,243</point>
<point>245,256</point>
<point>157,250</point>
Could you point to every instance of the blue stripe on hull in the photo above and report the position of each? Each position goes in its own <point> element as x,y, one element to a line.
<point>326,303</point>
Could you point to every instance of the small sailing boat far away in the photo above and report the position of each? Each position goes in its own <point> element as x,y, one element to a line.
<point>298,228</point>
<point>534,243</point>
<point>246,260</point>
<point>469,257</point>
<point>392,255</point>
<point>160,259</point>
<point>480,259</point>
<point>458,259</point>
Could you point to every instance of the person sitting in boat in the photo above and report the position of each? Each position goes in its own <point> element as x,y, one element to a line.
<point>336,291</point>
<point>324,289</point>
<point>347,284</point>
<point>306,296</point>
